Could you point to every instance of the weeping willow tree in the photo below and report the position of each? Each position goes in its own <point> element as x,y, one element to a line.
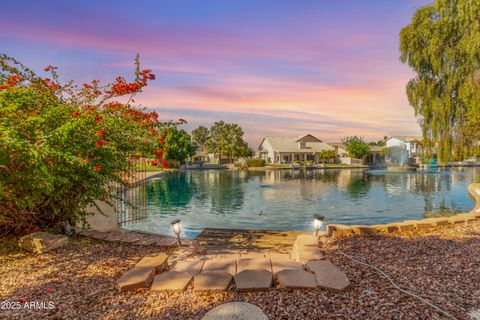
<point>442,46</point>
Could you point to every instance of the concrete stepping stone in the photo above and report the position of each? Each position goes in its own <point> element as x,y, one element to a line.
<point>99,235</point>
<point>253,280</point>
<point>253,264</point>
<point>221,263</point>
<point>328,276</point>
<point>130,240</point>
<point>166,242</point>
<point>306,253</point>
<point>145,242</point>
<point>307,240</point>
<point>212,281</point>
<point>251,255</point>
<point>193,266</point>
<point>296,279</point>
<point>282,264</point>
<point>135,278</point>
<point>278,256</point>
<point>158,262</point>
<point>420,224</point>
<point>171,281</point>
<point>386,228</point>
<point>364,230</point>
<point>85,232</point>
<point>235,311</point>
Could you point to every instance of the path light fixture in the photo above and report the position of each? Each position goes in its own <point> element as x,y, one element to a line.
<point>176,229</point>
<point>318,223</point>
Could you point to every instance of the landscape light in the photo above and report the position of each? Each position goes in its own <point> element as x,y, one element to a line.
<point>176,229</point>
<point>318,223</point>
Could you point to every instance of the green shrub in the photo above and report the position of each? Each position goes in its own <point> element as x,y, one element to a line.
<point>256,163</point>
<point>63,147</point>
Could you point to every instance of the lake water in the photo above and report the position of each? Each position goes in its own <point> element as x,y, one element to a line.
<point>287,199</point>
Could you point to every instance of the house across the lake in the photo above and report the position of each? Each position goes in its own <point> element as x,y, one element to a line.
<point>288,149</point>
<point>413,144</point>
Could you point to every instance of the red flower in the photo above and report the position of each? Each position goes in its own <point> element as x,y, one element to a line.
<point>165,164</point>
<point>100,143</point>
<point>100,133</point>
<point>161,140</point>
<point>75,114</point>
<point>98,118</point>
<point>51,85</point>
<point>21,300</point>
<point>154,162</point>
<point>158,153</point>
<point>12,81</point>
<point>97,168</point>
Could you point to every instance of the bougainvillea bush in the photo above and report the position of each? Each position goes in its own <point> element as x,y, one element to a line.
<point>63,146</point>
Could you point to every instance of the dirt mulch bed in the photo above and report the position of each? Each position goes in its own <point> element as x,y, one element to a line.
<point>441,265</point>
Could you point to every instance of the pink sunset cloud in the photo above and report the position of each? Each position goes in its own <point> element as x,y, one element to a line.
<point>330,68</point>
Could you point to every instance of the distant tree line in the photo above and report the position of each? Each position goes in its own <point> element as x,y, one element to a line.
<point>222,139</point>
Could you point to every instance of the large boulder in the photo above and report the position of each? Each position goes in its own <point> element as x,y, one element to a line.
<point>41,242</point>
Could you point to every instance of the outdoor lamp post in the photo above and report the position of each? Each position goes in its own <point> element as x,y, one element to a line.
<point>318,223</point>
<point>176,229</point>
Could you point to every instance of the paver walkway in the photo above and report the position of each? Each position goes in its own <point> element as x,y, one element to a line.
<point>254,271</point>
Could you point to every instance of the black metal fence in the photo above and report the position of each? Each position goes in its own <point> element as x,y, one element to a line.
<point>131,203</point>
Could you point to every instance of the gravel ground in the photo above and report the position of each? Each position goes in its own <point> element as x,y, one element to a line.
<point>440,265</point>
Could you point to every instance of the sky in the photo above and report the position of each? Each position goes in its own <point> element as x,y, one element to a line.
<point>326,67</point>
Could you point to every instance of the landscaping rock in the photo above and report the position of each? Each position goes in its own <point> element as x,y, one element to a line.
<point>193,266</point>
<point>328,276</point>
<point>253,280</point>
<point>41,242</point>
<point>157,261</point>
<point>212,281</point>
<point>171,281</point>
<point>135,278</point>
<point>235,311</point>
<point>296,279</point>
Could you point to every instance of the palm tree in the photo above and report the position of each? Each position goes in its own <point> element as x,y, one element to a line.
<point>200,136</point>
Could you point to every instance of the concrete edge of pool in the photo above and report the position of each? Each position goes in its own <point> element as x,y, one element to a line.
<point>338,230</point>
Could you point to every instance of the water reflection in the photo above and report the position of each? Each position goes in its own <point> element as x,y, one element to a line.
<point>286,199</point>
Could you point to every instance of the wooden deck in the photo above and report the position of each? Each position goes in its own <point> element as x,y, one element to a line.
<point>242,241</point>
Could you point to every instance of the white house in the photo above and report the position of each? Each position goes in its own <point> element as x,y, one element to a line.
<point>289,149</point>
<point>412,144</point>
